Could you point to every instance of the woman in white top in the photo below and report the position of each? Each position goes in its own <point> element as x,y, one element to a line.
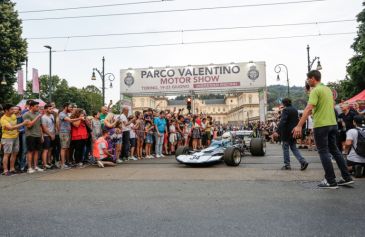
<point>172,137</point>
<point>195,134</point>
<point>132,138</point>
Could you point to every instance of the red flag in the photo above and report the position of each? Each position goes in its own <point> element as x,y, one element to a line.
<point>35,80</point>
<point>20,82</point>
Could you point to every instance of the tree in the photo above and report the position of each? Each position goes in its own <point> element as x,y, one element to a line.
<point>356,66</point>
<point>88,98</point>
<point>116,108</point>
<point>44,87</point>
<point>93,96</point>
<point>344,89</point>
<point>278,92</point>
<point>13,48</point>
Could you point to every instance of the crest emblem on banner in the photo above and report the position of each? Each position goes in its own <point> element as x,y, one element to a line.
<point>129,79</point>
<point>253,73</point>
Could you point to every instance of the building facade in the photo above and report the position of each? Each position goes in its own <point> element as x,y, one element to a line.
<point>234,108</point>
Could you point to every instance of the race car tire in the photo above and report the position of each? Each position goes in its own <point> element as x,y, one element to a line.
<point>232,156</point>
<point>258,147</point>
<point>182,150</point>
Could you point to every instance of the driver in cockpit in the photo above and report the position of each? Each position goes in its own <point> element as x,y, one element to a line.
<point>227,139</point>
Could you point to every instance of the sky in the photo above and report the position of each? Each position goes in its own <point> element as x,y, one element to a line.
<point>76,66</point>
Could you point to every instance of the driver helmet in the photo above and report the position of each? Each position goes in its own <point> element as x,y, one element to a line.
<point>226,138</point>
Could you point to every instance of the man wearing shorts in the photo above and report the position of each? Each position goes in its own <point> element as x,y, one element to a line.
<point>10,138</point>
<point>49,135</point>
<point>65,132</point>
<point>33,136</point>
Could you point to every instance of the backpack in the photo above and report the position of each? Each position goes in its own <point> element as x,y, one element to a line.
<point>360,146</point>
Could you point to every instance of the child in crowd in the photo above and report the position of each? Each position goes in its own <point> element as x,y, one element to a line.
<point>149,128</point>
<point>215,133</point>
<point>117,140</point>
<point>187,133</point>
<point>173,137</point>
<point>132,139</point>
<point>180,126</point>
<point>95,126</point>
<point>140,133</point>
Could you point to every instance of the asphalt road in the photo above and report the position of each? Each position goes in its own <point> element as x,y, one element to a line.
<point>76,203</point>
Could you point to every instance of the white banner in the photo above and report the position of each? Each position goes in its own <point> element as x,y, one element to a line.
<point>222,77</point>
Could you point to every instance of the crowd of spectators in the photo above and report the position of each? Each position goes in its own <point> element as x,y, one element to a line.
<point>35,139</point>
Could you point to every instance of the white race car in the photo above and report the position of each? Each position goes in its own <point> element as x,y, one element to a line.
<point>230,149</point>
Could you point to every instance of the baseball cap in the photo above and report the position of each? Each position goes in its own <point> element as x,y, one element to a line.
<point>359,119</point>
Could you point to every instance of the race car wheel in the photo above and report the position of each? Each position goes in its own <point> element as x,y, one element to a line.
<point>232,156</point>
<point>258,147</point>
<point>182,150</point>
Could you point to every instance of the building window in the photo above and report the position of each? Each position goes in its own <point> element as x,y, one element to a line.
<point>219,109</point>
<point>213,110</point>
<point>142,102</point>
<point>224,109</point>
<point>250,99</point>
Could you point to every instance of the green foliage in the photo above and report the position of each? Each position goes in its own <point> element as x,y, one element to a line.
<point>344,89</point>
<point>43,87</point>
<point>93,98</point>
<point>278,92</point>
<point>116,108</point>
<point>356,66</point>
<point>13,48</point>
<point>88,98</point>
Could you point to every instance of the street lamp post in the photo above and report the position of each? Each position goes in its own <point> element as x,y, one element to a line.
<point>102,75</point>
<point>310,65</point>
<point>278,69</point>
<point>50,72</point>
<point>311,62</point>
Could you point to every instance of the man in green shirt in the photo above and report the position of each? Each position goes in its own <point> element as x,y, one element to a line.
<point>33,136</point>
<point>321,104</point>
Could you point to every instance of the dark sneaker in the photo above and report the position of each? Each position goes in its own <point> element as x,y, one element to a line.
<point>325,185</point>
<point>286,167</point>
<point>304,166</point>
<point>343,182</point>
